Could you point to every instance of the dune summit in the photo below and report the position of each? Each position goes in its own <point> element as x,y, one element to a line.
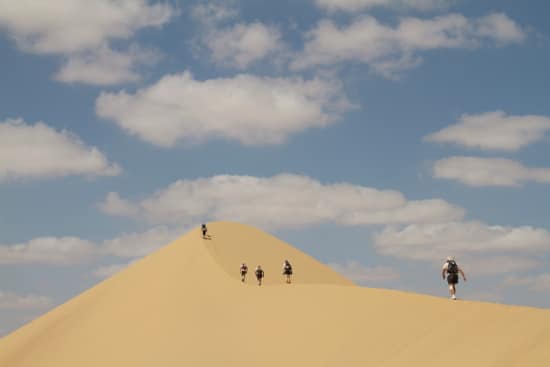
<point>185,306</point>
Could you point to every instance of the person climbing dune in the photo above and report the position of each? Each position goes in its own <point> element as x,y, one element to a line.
<point>287,271</point>
<point>259,274</point>
<point>204,231</point>
<point>451,269</point>
<point>244,271</point>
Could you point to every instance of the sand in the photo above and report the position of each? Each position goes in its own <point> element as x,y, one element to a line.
<point>185,306</point>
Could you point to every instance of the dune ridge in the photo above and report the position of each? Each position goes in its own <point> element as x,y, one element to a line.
<point>185,306</point>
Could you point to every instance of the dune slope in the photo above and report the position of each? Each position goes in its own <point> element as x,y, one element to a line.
<point>184,306</point>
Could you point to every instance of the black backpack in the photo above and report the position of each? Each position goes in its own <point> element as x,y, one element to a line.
<point>452,267</point>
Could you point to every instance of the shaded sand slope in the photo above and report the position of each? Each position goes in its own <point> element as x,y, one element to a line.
<point>183,306</point>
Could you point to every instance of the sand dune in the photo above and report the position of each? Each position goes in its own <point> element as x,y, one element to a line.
<point>185,306</point>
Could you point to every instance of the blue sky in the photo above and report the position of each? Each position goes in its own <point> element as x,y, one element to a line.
<point>380,136</point>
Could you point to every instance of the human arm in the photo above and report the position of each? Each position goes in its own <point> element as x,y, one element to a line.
<point>462,273</point>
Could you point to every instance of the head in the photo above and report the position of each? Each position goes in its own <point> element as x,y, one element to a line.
<point>451,258</point>
<point>258,267</point>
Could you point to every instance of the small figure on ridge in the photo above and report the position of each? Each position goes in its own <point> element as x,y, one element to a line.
<point>259,274</point>
<point>287,271</point>
<point>452,270</point>
<point>244,270</point>
<point>204,231</point>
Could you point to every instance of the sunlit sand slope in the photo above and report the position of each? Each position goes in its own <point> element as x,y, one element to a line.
<point>184,306</point>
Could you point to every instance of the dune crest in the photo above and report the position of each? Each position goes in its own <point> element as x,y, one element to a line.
<point>184,305</point>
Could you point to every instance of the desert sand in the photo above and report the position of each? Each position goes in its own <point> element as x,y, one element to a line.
<point>184,305</point>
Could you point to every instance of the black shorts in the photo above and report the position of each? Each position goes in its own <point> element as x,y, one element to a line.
<point>452,279</point>
<point>287,272</point>
<point>243,273</point>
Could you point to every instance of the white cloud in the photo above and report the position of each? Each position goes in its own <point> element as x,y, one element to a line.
<point>107,271</point>
<point>390,49</point>
<point>413,211</point>
<point>69,26</point>
<point>358,5</point>
<point>105,66</point>
<point>115,205</point>
<point>212,13</point>
<point>435,241</point>
<point>82,31</point>
<point>13,301</point>
<point>540,283</point>
<point>245,108</point>
<point>242,44</point>
<point>48,250</point>
<point>236,45</point>
<point>74,250</point>
<point>285,200</point>
<point>33,151</point>
<point>494,131</point>
<point>476,171</point>
<point>366,275</point>
<point>134,245</point>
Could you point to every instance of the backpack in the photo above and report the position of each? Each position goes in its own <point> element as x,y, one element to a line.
<point>452,267</point>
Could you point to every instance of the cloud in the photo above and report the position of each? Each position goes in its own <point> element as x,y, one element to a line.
<point>115,205</point>
<point>494,131</point>
<point>48,250</point>
<point>13,301</point>
<point>366,275</point>
<point>243,44</point>
<point>74,250</point>
<point>212,13</point>
<point>435,241</point>
<point>475,171</point>
<point>388,50</point>
<point>134,245</point>
<point>36,151</point>
<point>236,45</point>
<point>358,5</point>
<point>82,31</point>
<point>282,201</point>
<point>539,283</point>
<point>69,26</point>
<point>248,109</point>
<point>105,66</point>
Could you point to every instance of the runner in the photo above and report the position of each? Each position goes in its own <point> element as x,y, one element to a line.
<point>244,270</point>
<point>451,269</point>
<point>204,231</point>
<point>287,271</point>
<point>259,274</point>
